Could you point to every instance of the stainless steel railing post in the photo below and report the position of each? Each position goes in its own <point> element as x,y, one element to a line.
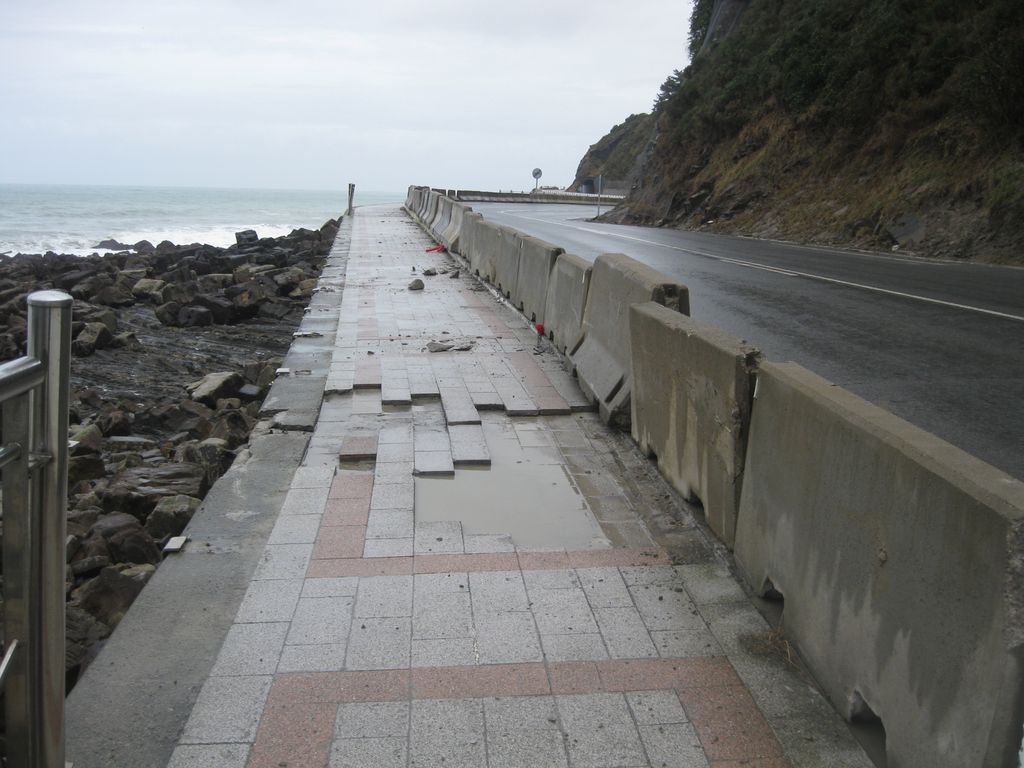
<point>49,340</point>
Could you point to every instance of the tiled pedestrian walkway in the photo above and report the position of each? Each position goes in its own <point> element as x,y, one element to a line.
<point>470,570</point>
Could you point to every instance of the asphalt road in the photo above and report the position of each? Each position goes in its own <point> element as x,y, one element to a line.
<point>940,344</point>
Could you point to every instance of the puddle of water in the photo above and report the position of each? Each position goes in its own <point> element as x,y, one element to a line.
<point>533,501</point>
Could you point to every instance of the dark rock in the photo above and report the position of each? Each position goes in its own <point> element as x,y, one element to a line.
<point>108,596</point>
<point>85,467</point>
<point>138,489</point>
<point>82,632</point>
<point>126,340</point>
<point>416,285</point>
<point>274,310</point>
<point>168,313</point>
<point>114,296</point>
<point>127,541</point>
<point>149,289</point>
<point>89,439</point>
<point>192,316</point>
<point>92,337</point>
<point>215,386</point>
<point>88,566</point>
<point>171,515</point>
<point>232,427</point>
<point>144,246</point>
<point>429,272</point>
<point>222,310</point>
<point>246,237</point>
<point>212,454</point>
<point>249,392</point>
<point>115,423</point>
<point>112,245</point>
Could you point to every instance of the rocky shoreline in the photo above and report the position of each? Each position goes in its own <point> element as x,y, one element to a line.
<point>174,348</point>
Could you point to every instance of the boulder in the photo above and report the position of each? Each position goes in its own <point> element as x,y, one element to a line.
<point>246,237</point>
<point>222,310</point>
<point>144,246</point>
<point>232,427</point>
<point>274,310</point>
<point>89,439</point>
<point>168,313</point>
<point>114,296</point>
<point>215,281</point>
<point>137,490</point>
<point>108,596</point>
<point>171,515</point>
<point>112,245</point>
<point>126,340</point>
<point>416,285</point>
<point>115,422</point>
<point>92,337</point>
<point>212,454</point>
<point>192,316</point>
<point>149,289</point>
<point>215,386</point>
<point>83,467</point>
<point>82,632</point>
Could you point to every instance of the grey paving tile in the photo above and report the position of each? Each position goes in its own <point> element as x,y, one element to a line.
<point>384,596</point>
<point>313,477</point>
<point>498,591</point>
<point>330,587</point>
<point>438,538</point>
<point>227,710</point>
<point>511,713</point>
<point>562,611</point>
<point>449,617</point>
<point>458,406</point>
<point>388,548</point>
<point>673,746</point>
<point>250,649</point>
<point>430,440</point>
<point>600,731</point>
<point>447,733</point>
<point>523,748</point>
<point>656,707</point>
<point>450,652</point>
<point>396,433</point>
<point>392,452</point>
<point>363,753</point>
<point>379,644</point>
<point>369,720</point>
<point>561,579</point>
<point>321,621</point>
<point>624,633</point>
<point>604,588</point>
<point>306,501</point>
<point>313,658</point>
<point>428,587</point>
<point>662,607</point>
<point>295,529</point>
<point>573,647</point>
<point>487,543</point>
<point>393,472</point>
<point>284,561</point>
<point>272,600</point>
<point>433,464</point>
<point>686,642</point>
<point>506,637</point>
<point>468,446</point>
<point>392,495</point>
<point>710,583</point>
<point>209,755</point>
<point>641,575</point>
<point>390,524</point>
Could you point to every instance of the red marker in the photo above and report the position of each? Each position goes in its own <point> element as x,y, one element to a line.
<point>540,329</point>
<point>435,249</point>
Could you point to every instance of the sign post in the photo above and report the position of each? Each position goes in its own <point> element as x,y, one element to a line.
<point>537,173</point>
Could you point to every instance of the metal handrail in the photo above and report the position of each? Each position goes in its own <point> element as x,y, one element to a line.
<point>34,460</point>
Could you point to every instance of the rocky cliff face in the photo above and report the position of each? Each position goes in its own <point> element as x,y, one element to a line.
<point>854,122</point>
<point>618,157</point>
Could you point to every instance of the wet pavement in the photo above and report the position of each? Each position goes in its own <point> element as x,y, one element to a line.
<point>469,569</point>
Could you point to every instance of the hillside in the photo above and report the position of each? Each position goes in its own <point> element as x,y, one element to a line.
<point>869,123</point>
<point>617,157</point>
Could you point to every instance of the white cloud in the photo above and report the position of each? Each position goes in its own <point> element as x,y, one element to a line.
<point>315,94</point>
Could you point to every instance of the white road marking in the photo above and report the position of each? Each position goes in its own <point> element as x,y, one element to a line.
<point>778,270</point>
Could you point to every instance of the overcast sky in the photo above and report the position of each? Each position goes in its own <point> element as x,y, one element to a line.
<point>311,94</point>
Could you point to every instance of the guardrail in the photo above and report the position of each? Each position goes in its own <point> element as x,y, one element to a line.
<point>34,462</point>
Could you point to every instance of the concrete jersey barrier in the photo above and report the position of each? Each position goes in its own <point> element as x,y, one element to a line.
<point>450,237</point>
<point>536,263</point>
<point>603,359</point>
<point>487,243</point>
<point>506,263</point>
<point>566,301</point>
<point>693,387</point>
<point>900,561</point>
<point>467,234</point>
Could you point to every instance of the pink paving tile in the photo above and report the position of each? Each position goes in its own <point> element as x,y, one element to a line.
<point>729,724</point>
<point>352,485</point>
<point>346,512</point>
<point>574,677</point>
<point>502,561</point>
<point>622,556</point>
<point>338,687</point>
<point>294,735</point>
<point>339,541</point>
<point>544,561</point>
<point>371,566</point>
<point>367,372</point>
<point>650,674</point>
<point>482,681</point>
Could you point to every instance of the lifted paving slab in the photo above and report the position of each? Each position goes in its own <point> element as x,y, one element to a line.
<point>487,576</point>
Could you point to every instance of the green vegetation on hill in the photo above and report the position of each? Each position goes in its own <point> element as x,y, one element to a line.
<point>846,120</point>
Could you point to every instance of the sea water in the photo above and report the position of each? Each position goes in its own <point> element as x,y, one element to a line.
<point>36,218</point>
